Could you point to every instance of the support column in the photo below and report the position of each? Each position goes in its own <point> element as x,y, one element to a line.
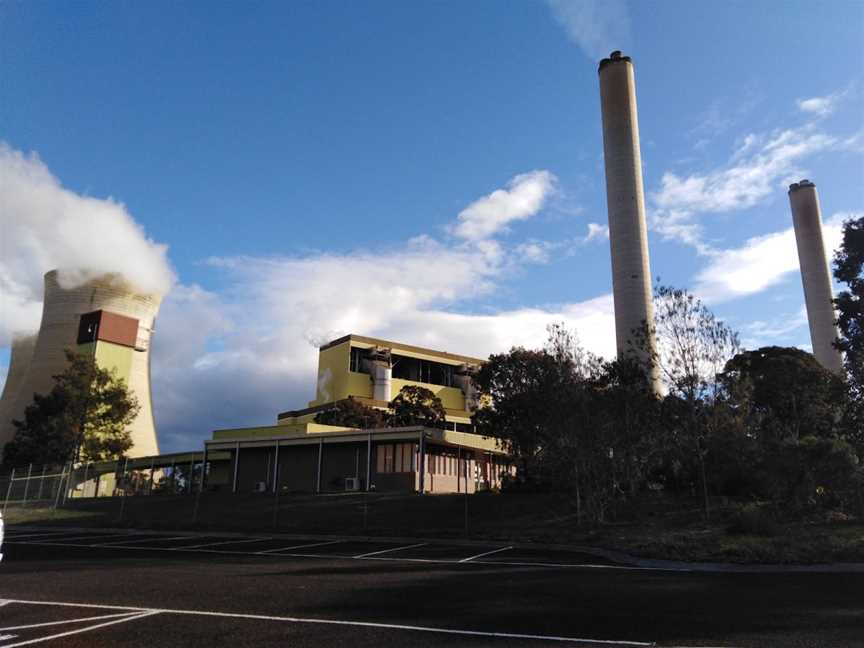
<point>422,466</point>
<point>369,462</point>
<point>320,460</point>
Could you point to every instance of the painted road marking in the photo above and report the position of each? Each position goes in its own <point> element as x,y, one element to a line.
<point>125,619</point>
<point>303,546</point>
<point>485,553</point>
<point>438,561</point>
<point>132,539</point>
<point>383,551</point>
<point>223,542</point>
<point>81,620</point>
<point>287,619</point>
<point>36,535</point>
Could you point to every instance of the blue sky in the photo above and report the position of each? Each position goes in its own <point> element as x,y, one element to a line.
<point>330,167</point>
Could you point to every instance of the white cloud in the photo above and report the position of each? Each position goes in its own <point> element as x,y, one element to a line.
<point>524,196</point>
<point>823,106</point>
<point>758,169</point>
<point>596,26</point>
<point>239,356</point>
<point>250,351</point>
<point>775,331</point>
<point>597,231</point>
<point>45,226</point>
<point>762,262</point>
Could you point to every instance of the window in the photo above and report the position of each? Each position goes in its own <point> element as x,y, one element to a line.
<point>396,457</point>
<point>356,363</point>
<point>424,371</point>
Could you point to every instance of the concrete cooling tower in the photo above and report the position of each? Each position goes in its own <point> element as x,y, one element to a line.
<point>807,222</point>
<point>625,199</point>
<point>105,318</point>
<point>19,363</point>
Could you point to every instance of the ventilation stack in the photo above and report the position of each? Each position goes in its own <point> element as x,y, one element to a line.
<point>818,296</point>
<point>625,200</point>
<point>105,318</point>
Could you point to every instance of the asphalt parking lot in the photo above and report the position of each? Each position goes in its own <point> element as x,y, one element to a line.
<point>127,588</point>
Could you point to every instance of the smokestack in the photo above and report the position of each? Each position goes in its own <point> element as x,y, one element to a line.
<point>106,318</point>
<point>807,221</point>
<point>625,200</point>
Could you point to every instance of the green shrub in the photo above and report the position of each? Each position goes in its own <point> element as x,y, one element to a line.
<point>752,519</point>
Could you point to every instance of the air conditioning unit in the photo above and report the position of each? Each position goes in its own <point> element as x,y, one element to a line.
<point>260,487</point>
<point>352,483</point>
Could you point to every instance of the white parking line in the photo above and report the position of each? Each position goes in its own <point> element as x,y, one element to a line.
<point>132,540</point>
<point>81,620</point>
<point>88,536</point>
<point>383,551</point>
<point>125,619</point>
<point>363,624</point>
<point>42,534</point>
<point>438,561</point>
<point>486,553</point>
<point>303,546</point>
<point>224,542</point>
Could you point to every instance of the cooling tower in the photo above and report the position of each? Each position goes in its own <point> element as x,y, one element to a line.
<point>807,221</point>
<point>19,363</point>
<point>625,200</point>
<point>105,318</point>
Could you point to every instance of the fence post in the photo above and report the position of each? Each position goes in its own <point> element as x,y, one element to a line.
<point>152,468</point>
<point>84,480</point>
<point>8,491</point>
<point>41,484</point>
<point>123,482</point>
<point>27,483</point>
<point>198,494</point>
<point>59,486</point>
<point>236,467</point>
<point>276,488</point>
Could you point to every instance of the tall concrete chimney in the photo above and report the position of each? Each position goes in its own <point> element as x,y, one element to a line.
<point>807,220</point>
<point>625,200</point>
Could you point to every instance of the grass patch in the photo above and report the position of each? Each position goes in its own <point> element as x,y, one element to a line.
<point>667,529</point>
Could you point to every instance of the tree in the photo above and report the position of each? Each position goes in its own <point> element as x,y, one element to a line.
<point>519,390</point>
<point>798,449</point>
<point>352,413</point>
<point>416,405</point>
<point>849,269</point>
<point>792,395</point>
<point>692,346</point>
<point>85,417</point>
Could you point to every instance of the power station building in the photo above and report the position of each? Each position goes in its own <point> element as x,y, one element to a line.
<point>105,318</point>
<point>297,454</point>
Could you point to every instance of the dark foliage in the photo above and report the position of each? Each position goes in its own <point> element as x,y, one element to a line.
<point>85,417</point>
<point>353,413</point>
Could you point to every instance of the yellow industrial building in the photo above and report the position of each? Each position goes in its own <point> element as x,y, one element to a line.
<point>297,454</point>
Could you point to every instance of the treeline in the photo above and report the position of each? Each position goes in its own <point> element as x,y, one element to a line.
<point>766,425</point>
